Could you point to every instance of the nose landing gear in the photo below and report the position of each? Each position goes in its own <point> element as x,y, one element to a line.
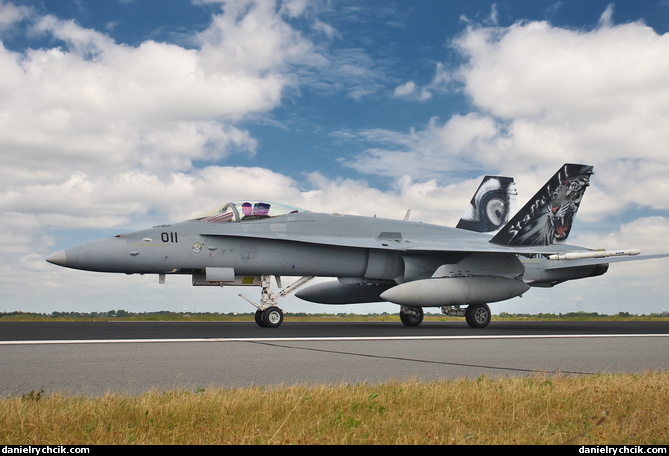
<point>269,315</point>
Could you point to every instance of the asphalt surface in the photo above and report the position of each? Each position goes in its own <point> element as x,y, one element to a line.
<point>26,331</point>
<point>93,358</point>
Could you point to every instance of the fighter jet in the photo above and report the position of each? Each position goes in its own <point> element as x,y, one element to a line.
<point>488,257</point>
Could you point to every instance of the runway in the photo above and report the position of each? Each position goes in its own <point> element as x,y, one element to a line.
<point>92,358</point>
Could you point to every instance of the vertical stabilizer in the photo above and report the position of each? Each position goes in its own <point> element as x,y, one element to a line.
<point>491,206</point>
<point>548,217</point>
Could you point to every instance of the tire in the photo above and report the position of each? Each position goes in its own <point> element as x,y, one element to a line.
<point>258,317</point>
<point>412,318</point>
<point>478,315</point>
<point>272,317</point>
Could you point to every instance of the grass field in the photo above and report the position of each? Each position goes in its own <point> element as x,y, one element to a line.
<point>599,409</point>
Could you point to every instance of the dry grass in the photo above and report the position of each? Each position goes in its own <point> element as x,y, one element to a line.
<point>601,409</point>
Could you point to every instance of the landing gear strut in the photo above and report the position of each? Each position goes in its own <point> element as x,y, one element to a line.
<point>269,315</point>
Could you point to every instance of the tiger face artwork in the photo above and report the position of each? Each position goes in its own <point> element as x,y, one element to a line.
<point>548,217</point>
<point>564,203</point>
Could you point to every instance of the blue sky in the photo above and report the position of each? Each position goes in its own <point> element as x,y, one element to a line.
<point>123,114</point>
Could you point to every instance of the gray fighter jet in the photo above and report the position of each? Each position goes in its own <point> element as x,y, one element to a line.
<point>485,258</point>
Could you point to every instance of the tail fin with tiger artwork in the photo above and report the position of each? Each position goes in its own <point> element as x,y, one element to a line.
<point>547,218</point>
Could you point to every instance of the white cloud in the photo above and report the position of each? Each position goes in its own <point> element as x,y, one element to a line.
<point>649,234</point>
<point>410,90</point>
<point>536,70</point>
<point>442,148</point>
<point>251,38</point>
<point>102,108</point>
<point>598,97</point>
<point>405,89</point>
<point>10,14</point>
<point>544,94</point>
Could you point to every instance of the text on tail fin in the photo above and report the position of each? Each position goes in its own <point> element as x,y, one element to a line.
<point>547,218</point>
<point>491,206</point>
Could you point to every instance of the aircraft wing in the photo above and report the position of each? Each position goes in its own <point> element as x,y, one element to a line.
<point>464,243</point>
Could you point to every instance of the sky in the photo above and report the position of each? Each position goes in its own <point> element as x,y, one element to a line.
<point>119,115</point>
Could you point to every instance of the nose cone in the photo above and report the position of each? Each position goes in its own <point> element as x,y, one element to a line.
<point>59,258</point>
<point>104,255</point>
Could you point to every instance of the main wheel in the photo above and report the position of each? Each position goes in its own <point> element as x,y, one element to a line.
<point>411,316</point>
<point>478,315</point>
<point>272,317</point>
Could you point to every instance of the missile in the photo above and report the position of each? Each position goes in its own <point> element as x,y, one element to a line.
<point>594,254</point>
<point>446,291</point>
<point>334,292</point>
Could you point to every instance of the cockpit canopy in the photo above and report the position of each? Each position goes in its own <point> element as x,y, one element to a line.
<point>241,211</point>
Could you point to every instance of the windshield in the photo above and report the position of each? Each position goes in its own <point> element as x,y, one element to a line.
<point>241,211</point>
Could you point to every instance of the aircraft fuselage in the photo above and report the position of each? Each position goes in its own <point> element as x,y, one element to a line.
<point>294,245</point>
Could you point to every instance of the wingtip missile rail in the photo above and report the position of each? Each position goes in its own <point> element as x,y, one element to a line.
<point>594,254</point>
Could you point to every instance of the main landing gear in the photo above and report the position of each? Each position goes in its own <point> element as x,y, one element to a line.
<point>411,316</point>
<point>269,315</point>
<point>476,315</point>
